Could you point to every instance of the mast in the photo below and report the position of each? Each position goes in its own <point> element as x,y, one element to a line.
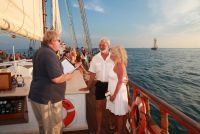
<point>44,15</point>
<point>71,24</point>
<point>85,26</point>
<point>155,41</point>
<point>56,21</point>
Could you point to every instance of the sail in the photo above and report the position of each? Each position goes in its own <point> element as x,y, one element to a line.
<point>22,17</point>
<point>155,43</point>
<point>56,22</point>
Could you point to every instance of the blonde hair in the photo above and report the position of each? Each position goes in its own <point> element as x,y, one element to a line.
<point>121,55</point>
<point>73,52</point>
<point>49,36</point>
<point>104,40</point>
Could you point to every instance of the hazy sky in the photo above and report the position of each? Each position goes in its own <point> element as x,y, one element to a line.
<point>134,23</point>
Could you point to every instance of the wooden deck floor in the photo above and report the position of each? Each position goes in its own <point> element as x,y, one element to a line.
<point>90,114</point>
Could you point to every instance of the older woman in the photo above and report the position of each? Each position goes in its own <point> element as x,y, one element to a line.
<point>118,102</point>
<point>48,85</point>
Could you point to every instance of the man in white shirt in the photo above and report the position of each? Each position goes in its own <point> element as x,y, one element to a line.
<point>99,68</point>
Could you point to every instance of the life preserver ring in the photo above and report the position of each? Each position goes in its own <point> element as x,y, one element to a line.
<point>70,112</point>
<point>138,116</point>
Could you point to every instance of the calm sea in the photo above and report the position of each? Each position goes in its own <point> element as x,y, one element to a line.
<point>172,75</point>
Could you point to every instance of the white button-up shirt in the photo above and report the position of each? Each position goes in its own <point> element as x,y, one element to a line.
<point>101,67</point>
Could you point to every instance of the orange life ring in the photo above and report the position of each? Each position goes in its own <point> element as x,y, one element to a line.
<point>70,112</point>
<point>138,116</point>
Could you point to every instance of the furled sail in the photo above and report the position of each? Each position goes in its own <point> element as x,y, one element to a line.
<point>22,17</point>
<point>56,22</point>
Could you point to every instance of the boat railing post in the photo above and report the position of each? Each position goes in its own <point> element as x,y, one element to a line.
<point>134,90</point>
<point>147,108</point>
<point>164,122</point>
<point>130,98</point>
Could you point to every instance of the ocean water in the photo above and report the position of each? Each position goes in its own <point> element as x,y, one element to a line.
<point>10,51</point>
<point>172,75</point>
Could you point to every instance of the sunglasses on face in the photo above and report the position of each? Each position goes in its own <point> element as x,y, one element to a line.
<point>56,40</point>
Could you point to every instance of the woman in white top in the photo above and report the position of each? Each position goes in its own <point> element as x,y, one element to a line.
<point>118,102</point>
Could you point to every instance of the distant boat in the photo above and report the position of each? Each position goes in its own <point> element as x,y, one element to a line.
<point>155,47</point>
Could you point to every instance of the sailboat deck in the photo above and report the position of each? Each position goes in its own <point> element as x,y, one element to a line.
<point>90,114</point>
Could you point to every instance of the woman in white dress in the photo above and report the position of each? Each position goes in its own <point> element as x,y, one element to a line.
<point>118,101</point>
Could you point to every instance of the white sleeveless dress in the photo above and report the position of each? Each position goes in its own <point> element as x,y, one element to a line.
<point>120,105</point>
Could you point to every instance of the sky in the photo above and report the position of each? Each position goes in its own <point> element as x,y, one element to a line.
<point>135,23</point>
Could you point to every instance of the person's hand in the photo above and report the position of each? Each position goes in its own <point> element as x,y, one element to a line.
<point>125,80</point>
<point>84,89</point>
<point>78,64</point>
<point>69,76</point>
<point>112,97</point>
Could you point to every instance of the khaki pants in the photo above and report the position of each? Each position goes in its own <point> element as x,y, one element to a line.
<point>49,117</point>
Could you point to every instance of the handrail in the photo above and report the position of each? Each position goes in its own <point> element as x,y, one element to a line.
<point>165,108</point>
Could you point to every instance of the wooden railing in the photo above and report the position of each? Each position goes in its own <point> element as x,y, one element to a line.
<point>192,126</point>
